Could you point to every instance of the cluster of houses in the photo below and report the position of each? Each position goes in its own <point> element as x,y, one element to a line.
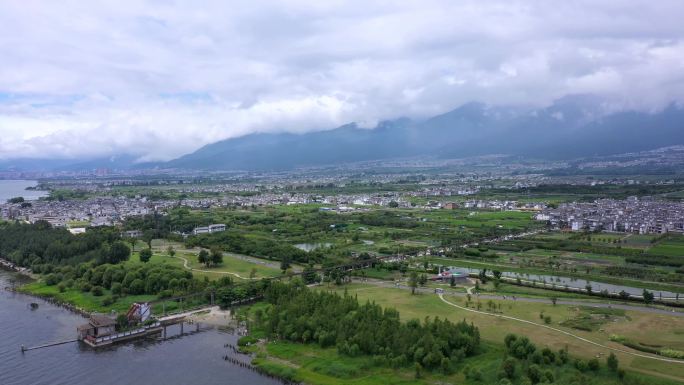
<point>215,228</point>
<point>632,215</point>
<point>101,211</point>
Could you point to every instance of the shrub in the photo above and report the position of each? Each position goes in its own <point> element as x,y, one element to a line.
<point>581,365</point>
<point>247,340</point>
<point>97,291</point>
<point>61,287</point>
<point>107,301</point>
<point>612,362</point>
<point>593,364</point>
<point>51,279</point>
<point>117,288</point>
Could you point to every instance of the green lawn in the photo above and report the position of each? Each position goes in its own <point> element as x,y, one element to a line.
<point>640,325</point>
<point>85,300</point>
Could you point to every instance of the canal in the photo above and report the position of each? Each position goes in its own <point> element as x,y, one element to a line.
<point>559,282</point>
<point>191,359</point>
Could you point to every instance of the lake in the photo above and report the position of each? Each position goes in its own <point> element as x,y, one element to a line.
<point>17,188</point>
<point>189,359</point>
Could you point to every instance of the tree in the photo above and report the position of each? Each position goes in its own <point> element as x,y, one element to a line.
<point>121,322</point>
<point>508,367</point>
<point>413,282</point>
<point>534,373</point>
<point>554,300</point>
<point>252,273</point>
<point>612,362</point>
<point>623,295</point>
<point>393,204</point>
<point>118,252</point>
<point>145,255</point>
<point>648,296</point>
<point>203,257</point>
<point>170,251</point>
<point>216,256</point>
<point>588,288</point>
<point>422,279</point>
<point>483,275</point>
<point>285,263</point>
<point>309,275</point>
<point>593,364</point>
<point>148,236</point>
<point>452,281</point>
<point>132,241</point>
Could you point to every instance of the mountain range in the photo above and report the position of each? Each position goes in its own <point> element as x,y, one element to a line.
<point>572,127</point>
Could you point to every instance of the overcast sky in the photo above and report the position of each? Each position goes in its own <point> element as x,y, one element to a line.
<point>159,78</point>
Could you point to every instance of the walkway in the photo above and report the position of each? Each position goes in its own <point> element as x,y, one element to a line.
<point>570,302</point>
<point>185,265</point>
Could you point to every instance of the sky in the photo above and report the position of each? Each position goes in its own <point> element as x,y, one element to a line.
<point>158,79</point>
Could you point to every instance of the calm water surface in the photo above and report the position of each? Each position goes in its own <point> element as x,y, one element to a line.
<point>190,359</point>
<point>17,188</point>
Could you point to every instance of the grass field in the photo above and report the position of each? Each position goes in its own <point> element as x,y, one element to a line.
<point>234,265</point>
<point>639,325</point>
<point>672,247</point>
<point>85,300</point>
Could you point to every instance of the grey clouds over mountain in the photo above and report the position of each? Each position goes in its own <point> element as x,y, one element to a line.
<point>88,80</point>
<point>572,127</point>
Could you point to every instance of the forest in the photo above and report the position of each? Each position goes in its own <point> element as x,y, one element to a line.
<point>32,245</point>
<point>299,314</point>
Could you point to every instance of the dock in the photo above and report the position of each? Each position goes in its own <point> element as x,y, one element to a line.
<point>141,332</point>
<point>25,349</point>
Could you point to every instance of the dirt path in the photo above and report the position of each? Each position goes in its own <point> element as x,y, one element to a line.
<point>670,360</point>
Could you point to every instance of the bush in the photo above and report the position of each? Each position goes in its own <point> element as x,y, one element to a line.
<point>97,291</point>
<point>593,364</point>
<point>247,340</point>
<point>85,286</point>
<point>107,301</point>
<point>612,362</point>
<point>51,279</point>
<point>117,288</point>
<point>61,287</point>
<point>534,373</point>
<point>581,365</point>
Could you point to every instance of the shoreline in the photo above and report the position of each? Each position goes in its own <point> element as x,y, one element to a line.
<point>25,272</point>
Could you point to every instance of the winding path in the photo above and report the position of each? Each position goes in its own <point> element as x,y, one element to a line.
<point>560,301</point>
<point>441,296</point>
<point>185,265</point>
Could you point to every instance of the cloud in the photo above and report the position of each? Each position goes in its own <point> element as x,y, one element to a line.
<point>160,79</point>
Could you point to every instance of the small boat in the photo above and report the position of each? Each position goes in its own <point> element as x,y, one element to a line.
<point>33,306</point>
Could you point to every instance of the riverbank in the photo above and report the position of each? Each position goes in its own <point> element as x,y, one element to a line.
<point>8,265</point>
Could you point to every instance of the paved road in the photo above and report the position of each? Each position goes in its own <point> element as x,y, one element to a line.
<point>605,305</point>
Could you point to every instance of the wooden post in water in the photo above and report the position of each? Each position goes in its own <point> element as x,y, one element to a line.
<point>181,327</point>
